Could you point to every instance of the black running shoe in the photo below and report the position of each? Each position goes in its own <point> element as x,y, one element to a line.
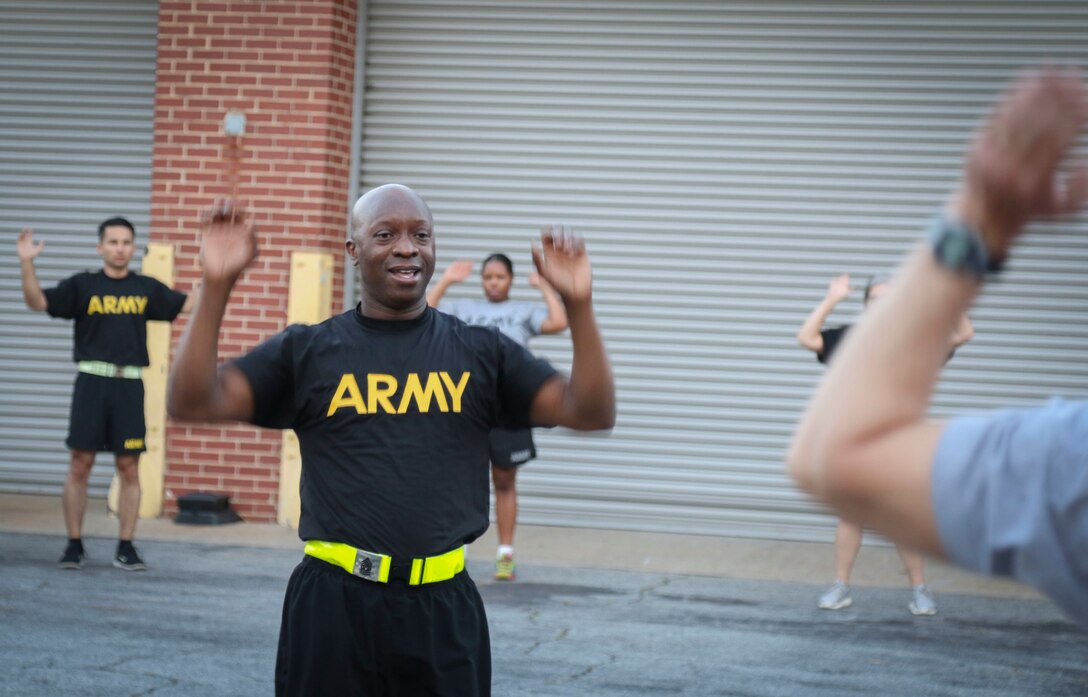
<point>73,557</point>
<point>129,560</point>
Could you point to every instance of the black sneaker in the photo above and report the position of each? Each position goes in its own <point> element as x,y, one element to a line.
<point>129,560</point>
<point>72,559</point>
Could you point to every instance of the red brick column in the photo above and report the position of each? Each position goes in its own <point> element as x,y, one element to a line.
<point>289,67</point>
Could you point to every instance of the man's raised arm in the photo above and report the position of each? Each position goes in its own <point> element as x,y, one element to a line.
<point>198,389</point>
<point>864,445</point>
<point>28,252</point>
<point>587,400</point>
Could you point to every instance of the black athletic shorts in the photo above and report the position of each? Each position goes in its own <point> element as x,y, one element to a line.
<point>512,448</point>
<point>107,414</point>
<point>343,635</point>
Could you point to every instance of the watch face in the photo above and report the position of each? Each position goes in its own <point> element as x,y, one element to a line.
<point>956,247</point>
<point>954,250</point>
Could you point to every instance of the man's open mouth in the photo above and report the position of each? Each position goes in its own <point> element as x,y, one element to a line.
<point>407,273</point>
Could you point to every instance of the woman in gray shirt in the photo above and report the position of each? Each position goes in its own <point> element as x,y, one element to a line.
<point>520,321</point>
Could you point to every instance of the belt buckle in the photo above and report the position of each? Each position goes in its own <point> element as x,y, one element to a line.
<point>115,371</point>
<point>367,565</point>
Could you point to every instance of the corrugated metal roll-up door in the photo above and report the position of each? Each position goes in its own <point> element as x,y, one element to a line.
<point>724,161</point>
<point>77,92</point>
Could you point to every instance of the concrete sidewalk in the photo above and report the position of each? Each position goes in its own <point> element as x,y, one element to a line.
<point>878,565</point>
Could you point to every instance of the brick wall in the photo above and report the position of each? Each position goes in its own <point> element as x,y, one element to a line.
<point>289,67</point>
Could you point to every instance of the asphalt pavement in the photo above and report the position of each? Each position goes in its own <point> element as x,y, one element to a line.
<point>204,621</point>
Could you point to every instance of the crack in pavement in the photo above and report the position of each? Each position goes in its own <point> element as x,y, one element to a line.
<point>558,637</point>
<point>170,682</point>
<point>646,590</point>
<point>589,669</point>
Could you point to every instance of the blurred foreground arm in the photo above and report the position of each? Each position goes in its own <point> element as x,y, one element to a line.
<point>864,445</point>
<point>587,400</point>
<point>965,331</point>
<point>199,390</point>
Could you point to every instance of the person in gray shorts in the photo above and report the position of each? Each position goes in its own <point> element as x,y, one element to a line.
<point>520,321</point>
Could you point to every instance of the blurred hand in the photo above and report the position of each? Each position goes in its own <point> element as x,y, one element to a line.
<point>537,282</point>
<point>26,247</point>
<point>562,262</point>
<point>839,288</point>
<point>458,270</point>
<point>228,240</point>
<point>1011,172</point>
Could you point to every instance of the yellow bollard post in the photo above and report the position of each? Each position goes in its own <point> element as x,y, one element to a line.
<point>309,301</point>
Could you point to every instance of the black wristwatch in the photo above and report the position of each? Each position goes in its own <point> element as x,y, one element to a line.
<point>958,247</point>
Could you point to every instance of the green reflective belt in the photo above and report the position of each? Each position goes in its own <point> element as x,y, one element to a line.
<point>108,370</point>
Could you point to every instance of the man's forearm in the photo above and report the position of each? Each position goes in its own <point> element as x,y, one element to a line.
<point>194,379</point>
<point>32,289</point>
<point>591,392</point>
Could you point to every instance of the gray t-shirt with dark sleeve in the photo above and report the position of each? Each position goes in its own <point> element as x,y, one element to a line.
<point>516,319</point>
<point>1010,497</point>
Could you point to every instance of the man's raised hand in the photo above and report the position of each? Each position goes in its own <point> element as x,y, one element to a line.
<point>562,262</point>
<point>26,247</point>
<point>1012,170</point>
<point>228,240</point>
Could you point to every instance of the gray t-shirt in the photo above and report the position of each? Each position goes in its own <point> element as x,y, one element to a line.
<point>1010,497</point>
<point>518,320</point>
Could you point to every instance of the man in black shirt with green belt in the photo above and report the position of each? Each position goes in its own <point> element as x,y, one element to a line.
<point>392,402</point>
<point>111,309</point>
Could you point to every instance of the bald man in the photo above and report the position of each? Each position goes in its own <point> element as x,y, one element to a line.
<point>392,402</point>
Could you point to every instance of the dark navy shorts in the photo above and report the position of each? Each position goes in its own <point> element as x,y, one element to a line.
<point>107,415</point>
<point>512,448</point>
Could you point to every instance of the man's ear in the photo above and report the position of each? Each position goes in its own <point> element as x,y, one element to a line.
<point>353,252</point>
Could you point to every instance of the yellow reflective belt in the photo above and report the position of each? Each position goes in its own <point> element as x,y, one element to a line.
<point>108,370</point>
<point>440,568</point>
<point>362,563</point>
<point>345,557</point>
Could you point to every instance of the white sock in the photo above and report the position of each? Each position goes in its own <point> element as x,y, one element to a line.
<point>504,550</point>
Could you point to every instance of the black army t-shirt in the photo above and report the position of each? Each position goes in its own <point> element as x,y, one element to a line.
<point>111,314</point>
<point>393,420</point>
